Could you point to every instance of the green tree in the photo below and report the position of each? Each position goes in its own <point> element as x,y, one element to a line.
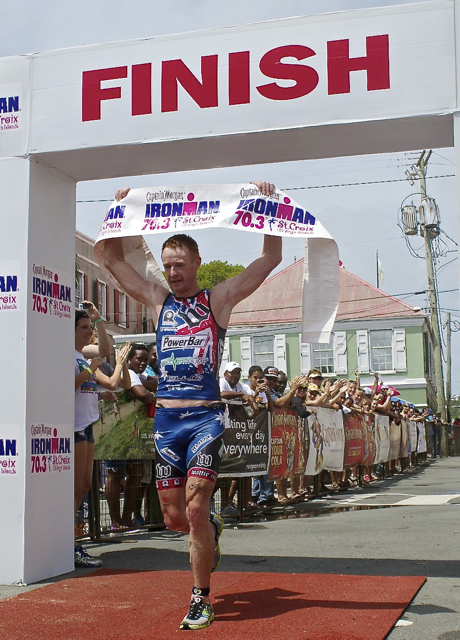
<point>212,273</point>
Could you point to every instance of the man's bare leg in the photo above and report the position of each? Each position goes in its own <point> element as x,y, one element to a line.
<point>202,533</point>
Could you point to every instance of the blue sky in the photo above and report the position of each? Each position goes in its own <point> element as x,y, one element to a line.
<point>357,199</point>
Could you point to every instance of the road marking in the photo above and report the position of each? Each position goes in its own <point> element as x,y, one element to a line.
<point>427,501</point>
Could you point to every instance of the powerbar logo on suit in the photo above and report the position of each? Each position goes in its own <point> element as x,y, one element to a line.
<point>8,450</point>
<point>183,342</point>
<point>9,113</point>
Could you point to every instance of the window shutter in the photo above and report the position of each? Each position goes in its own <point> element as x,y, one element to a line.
<point>279,351</point>
<point>305,356</point>
<point>138,319</point>
<point>127,310</point>
<point>246,355</point>
<point>225,356</point>
<point>95,297</point>
<point>340,352</point>
<point>399,350</point>
<point>85,292</point>
<point>107,303</point>
<point>362,340</point>
<point>116,305</point>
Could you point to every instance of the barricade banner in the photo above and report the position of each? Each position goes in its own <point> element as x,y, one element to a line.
<point>403,450</point>
<point>354,440</point>
<point>413,436</point>
<point>327,441</point>
<point>288,455</point>
<point>421,445</point>
<point>124,431</point>
<point>368,424</point>
<point>395,440</point>
<point>382,438</point>
<point>246,443</point>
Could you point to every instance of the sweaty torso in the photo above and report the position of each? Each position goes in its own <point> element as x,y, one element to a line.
<point>190,345</point>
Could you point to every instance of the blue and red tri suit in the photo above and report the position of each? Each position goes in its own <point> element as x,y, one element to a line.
<point>189,346</point>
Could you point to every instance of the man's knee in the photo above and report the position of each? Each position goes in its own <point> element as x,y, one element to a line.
<point>175,521</point>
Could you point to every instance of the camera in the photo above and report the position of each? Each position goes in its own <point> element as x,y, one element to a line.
<point>84,305</point>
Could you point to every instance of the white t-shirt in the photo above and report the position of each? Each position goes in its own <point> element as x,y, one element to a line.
<point>136,378</point>
<point>224,385</point>
<point>250,392</point>
<point>86,402</point>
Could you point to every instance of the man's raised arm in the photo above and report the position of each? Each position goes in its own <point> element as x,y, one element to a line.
<point>109,253</point>
<point>227,294</point>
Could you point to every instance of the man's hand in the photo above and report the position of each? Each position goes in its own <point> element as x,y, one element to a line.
<point>265,188</point>
<point>122,193</point>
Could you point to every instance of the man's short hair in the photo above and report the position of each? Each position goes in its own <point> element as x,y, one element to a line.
<point>181,240</point>
<point>253,369</point>
<point>137,346</point>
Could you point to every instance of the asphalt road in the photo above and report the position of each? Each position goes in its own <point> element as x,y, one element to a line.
<point>409,525</point>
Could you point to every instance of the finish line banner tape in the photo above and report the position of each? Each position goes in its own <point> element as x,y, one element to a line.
<point>242,207</point>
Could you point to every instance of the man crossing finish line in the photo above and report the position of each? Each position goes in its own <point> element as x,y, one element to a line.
<point>189,422</point>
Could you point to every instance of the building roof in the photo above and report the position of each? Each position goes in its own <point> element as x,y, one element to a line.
<point>279,300</point>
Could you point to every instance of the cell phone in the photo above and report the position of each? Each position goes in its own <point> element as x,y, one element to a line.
<point>84,305</point>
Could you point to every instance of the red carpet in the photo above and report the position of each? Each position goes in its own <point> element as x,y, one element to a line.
<point>148,605</point>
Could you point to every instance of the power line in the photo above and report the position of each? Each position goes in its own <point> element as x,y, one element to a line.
<point>321,186</point>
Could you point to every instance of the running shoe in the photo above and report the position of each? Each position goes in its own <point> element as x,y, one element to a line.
<point>83,559</point>
<point>219,526</point>
<point>199,616</point>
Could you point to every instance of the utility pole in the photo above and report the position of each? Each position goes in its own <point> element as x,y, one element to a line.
<point>433,302</point>
<point>448,366</point>
<point>377,269</point>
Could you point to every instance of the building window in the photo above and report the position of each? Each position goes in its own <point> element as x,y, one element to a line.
<point>122,307</point>
<point>102,298</point>
<point>323,357</point>
<point>263,351</point>
<point>79,288</point>
<point>381,346</point>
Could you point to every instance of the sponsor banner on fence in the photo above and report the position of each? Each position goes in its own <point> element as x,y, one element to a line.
<point>413,436</point>
<point>327,441</point>
<point>382,438</point>
<point>368,422</point>
<point>124,431</point>
<point>354,440</point>
<point>288,451</point>
<point>246,443</point>
<point>395,440</point>
<point>421,445</point>
<point>403,449</point>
